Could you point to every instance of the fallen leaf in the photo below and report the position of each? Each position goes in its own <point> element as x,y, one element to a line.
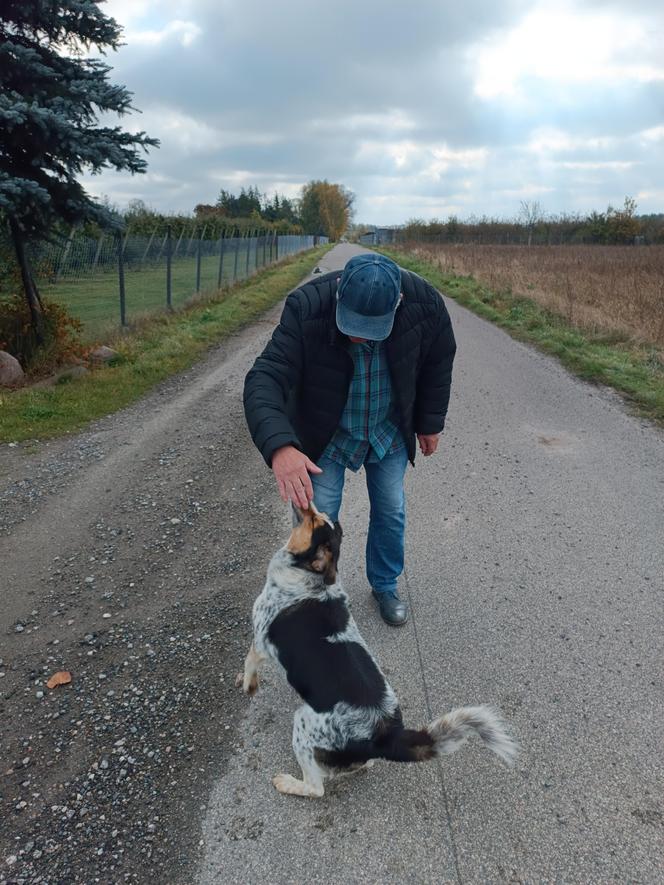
<point>62,677</point>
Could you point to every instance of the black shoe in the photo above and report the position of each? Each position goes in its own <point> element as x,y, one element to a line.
<point>392,610</point>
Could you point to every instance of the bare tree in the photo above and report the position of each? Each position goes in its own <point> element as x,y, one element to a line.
<point>531,214</point>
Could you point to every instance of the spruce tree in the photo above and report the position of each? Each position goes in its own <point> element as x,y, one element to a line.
<point>50,97</point>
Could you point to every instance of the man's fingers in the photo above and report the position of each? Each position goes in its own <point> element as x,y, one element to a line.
<point>311,467</point>
<point>297,494</point>
<point>308,489</point>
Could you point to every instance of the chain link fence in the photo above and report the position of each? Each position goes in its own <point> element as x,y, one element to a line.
<point>122,278</point>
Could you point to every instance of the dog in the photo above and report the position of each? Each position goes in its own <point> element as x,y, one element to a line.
<point>350,715</point>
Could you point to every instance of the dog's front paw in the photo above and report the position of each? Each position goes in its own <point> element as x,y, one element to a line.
<point>239,679</point>
<point>291,786</point>
<point>285,783</point>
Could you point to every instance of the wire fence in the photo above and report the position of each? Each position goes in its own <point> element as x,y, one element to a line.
<point>121,278</point>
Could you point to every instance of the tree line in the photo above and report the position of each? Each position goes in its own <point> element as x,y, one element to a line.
<point>534,226</point>
<point>322,209</point>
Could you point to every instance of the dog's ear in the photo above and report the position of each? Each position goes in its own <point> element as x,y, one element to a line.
<point>325,563</point>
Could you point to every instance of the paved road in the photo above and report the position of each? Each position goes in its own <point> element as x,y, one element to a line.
<point>535,573</point>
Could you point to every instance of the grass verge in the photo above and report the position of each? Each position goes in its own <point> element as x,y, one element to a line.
<point>161,347</point>
<point>634,370</point>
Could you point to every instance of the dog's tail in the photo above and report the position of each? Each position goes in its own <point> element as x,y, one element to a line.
<point>447,734</point>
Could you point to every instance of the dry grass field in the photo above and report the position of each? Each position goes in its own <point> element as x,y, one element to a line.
<point>618,290</point>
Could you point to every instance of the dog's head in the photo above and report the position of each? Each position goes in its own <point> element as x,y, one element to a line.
<point>315,543</point>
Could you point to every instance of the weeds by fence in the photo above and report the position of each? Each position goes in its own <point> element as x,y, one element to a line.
<point>119,278</point>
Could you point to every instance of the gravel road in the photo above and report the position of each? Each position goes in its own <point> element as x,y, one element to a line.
<point>131,555</point>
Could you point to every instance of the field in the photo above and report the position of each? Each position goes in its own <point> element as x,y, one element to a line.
<point>617,290</point>
<point>599,311</point>
<point>94,299</point>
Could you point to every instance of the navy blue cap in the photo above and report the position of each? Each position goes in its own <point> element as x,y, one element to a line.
<point>367,296</point>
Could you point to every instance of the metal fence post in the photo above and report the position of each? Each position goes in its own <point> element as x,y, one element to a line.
<point>169,300</point>
<point>147,248</point>
<point>222,243</point>
<point>246,271</point>
<point>177,245</point>
<point>121,280</point>
<point>237,246</point>
<point>65,253</point>
<point>264,246</point>
<point>276,247</point>
<point>163,243</point>
<point>199,244</point>
<point>98,252</point>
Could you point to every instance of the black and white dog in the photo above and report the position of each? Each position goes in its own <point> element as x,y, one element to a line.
<point>350,714</point>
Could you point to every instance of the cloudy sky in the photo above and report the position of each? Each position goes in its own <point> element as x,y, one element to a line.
<point>423,110</point>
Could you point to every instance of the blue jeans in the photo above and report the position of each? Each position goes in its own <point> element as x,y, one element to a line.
<point>387,517</point>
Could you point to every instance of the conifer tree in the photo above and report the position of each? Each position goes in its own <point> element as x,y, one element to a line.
<point>50,97</point>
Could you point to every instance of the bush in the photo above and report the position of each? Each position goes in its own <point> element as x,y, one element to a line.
<point>62,335</point>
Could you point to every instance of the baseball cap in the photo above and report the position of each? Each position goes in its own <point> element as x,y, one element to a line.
<point>367,296</point>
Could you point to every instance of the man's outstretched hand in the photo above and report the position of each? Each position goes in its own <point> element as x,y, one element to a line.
<point>291,468</point>
<point>428,442</point>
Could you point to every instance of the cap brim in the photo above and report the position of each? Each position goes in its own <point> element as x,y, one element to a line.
<point>358,325</point>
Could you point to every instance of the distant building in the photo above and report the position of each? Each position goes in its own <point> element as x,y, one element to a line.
<point>379,236</point>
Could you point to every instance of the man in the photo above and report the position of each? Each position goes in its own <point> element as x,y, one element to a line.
<point>359,366</point>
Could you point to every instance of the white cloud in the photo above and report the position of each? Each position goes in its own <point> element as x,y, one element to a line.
<point>566,46</point>
<point>184,32</point>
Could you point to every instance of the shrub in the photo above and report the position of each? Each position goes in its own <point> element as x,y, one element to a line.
<point>17,337</point>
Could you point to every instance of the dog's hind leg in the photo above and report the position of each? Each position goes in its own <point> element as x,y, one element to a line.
<point>248,678</point>
<point>311,784</point>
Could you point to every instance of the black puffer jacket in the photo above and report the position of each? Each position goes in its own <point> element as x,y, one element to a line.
<point>296,391</point>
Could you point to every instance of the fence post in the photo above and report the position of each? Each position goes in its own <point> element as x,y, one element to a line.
<point>222,243</point>
<point>163,243</point>
<point>147,248</point>
<point>65,253</point>
<point>177,246</point>
<point>246,270</point>
<point>264,246</point>
<point>121,279</point>
<point>169,300</point>
<point>98,252</point>
<point>276,246</point>
<point>199,244</point>
<point>237,246</point>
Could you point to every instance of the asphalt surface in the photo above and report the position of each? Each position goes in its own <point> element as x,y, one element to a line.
<point>535,573</point>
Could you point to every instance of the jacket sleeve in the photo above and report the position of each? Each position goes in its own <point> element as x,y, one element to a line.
<point>435,378</point>
<point>270,382</point>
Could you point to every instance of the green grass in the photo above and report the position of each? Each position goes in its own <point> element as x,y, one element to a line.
<point>161,347</point>
<point>94,299</point>
<point>636,371</point>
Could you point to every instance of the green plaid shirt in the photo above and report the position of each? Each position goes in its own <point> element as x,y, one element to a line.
<point>366,431</point>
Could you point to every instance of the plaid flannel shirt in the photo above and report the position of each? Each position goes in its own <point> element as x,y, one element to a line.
<point>366,431</point>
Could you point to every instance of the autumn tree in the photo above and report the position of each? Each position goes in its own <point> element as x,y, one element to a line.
<point>622,224</point>
<point>325,208</point>
<point>50,98</point>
